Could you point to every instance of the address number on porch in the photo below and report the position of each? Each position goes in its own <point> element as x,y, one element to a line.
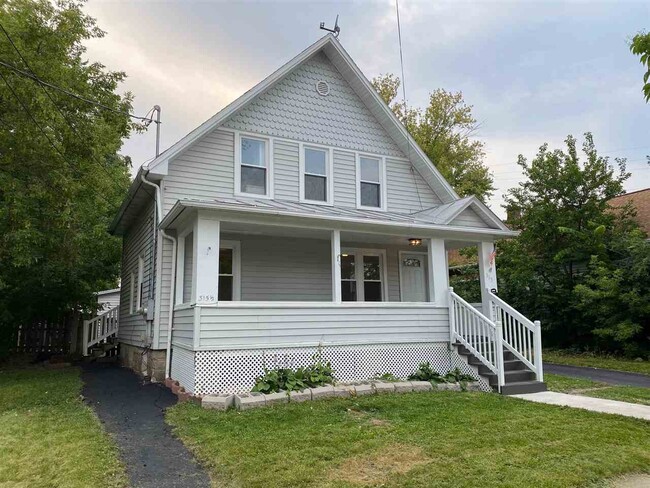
<point>207,298</point>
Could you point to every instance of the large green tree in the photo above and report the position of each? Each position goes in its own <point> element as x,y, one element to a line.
<point>444,131</point>
<point>640,46</point>
<point>566,223</point>
<point>61,178</point>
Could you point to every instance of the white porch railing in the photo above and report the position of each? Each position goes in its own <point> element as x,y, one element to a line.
<point>521,336</point>
<point>477,333</point>
<point>100,328</point>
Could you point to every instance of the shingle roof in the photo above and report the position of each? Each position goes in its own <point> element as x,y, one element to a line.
<point>641,201</point>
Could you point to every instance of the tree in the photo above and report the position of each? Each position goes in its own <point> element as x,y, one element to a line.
<point>640,46</point>
<point>444,131</point>
<point>61,179</point>
<point>566,223</point>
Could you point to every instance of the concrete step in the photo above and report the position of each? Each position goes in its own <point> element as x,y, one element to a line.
<point>520,387</point>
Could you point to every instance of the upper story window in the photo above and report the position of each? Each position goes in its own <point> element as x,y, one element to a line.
<point>370,183</point>
<point>253,172</point>
<point>316,175</point>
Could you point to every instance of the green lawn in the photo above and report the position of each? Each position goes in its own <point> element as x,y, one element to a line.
<point>413,440</point>
<point>596,361</point>
<point>48,437</point>
<point>581,386</point>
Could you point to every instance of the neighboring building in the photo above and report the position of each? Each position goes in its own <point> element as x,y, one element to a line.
<point>640,200</point>
<point>302,217</point>
<point>107,299</point>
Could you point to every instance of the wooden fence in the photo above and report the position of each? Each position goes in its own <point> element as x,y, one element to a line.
<point>43,336</point>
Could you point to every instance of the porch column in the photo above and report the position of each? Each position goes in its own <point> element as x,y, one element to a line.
<point>437,271</point>
<point>487,274</point>
<point>336,266</point>
<point>206,261</point>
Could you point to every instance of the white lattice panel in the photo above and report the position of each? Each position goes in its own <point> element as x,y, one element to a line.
<point>235,370</point>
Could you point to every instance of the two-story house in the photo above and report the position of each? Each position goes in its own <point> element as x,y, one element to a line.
<point>303,217</point>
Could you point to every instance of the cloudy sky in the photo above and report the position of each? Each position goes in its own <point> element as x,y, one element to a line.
<point>533,71</point>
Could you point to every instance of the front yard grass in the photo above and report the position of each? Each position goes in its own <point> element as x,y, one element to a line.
<point>413,440</point>
<point>48,437</point>
<point>581,386</point>
<point>596,361</point>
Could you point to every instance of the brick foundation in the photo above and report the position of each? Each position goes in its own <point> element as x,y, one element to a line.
<point>151,363</point>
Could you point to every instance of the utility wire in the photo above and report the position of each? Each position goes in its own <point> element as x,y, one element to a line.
<point>408,139</point>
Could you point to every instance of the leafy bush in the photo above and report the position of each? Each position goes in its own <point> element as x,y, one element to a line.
<point>390,377</point>
<point>318,373</point>
<point>426,373</point>
<point>457,376</point>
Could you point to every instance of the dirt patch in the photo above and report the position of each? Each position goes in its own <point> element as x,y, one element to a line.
<point>377,467</point>
<point>364,416</point>
<point>631,481</point>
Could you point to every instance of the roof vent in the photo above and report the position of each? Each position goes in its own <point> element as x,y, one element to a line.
<point>323,88</point>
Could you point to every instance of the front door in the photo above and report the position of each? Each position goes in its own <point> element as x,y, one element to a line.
<point>413,277</point>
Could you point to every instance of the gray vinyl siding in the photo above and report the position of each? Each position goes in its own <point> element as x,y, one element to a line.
<point>407,192</point>
<point>138,241</point>
<point>286,170</point>
<point>345,186</point>
<point>224,328</point>
<point>184,327</point>
<point>204,171</point>
<point>469,218</point>
<point>188,266</point>
<point>292,109</point>
<point>165,288</point>
<point>183,368</point>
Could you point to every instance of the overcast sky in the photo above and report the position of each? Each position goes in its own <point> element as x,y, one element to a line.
<point>533,71</point>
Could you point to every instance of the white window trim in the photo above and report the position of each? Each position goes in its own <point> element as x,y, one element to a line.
<point>424,254</point>
<point>382,183</point>
<point>132,302</point>
<point>358,271</point>
<point>139,304</point>
<point>180,267</point>
<point>269,166</point>
<point>236,266</point>
<point>329,169</point>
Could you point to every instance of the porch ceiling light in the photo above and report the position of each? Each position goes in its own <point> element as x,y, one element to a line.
<point>414,241</point>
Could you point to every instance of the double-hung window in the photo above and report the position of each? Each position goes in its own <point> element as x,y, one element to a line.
<point>370,184</point>
<point>254,172</point>
<point>316,175</point>
<point>229,271</point>
<point>362,275</point>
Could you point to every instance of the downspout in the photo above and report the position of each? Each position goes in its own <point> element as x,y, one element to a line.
<point>173,277</point>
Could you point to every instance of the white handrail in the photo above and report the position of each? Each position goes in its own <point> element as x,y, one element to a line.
<point>521,336</point>
<point>100,328</point>
<point>482,337</point>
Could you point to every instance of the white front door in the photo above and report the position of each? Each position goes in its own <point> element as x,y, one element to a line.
<point>413,277</point>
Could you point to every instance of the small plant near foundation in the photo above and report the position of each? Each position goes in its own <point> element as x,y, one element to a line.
<point>426,373</point>
<point>457,376</point>
<point>319,373</point>
<point>389,377</point>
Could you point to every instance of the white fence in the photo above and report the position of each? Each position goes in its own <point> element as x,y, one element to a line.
<point>100,328</point>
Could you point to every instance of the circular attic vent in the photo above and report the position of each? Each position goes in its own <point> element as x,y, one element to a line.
<point>323,88</point>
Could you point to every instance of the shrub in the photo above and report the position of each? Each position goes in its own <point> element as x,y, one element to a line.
<point>457,376</point>
<point>318,373</point>
<point>426,373</point>
<point>390,377</point>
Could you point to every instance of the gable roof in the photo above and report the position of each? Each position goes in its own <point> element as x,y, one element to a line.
<point>364,90</point>
<point>445,214</point>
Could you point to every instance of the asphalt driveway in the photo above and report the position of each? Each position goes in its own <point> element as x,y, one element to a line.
<point>597,374</point>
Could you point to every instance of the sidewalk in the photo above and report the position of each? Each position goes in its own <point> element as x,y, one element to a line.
<point>588,403</point>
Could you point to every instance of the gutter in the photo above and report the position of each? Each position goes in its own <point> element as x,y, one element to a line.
<point>170,322</point>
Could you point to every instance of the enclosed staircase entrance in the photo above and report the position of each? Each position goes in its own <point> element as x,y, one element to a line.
<point>505,347</point>
<point>100,334</point>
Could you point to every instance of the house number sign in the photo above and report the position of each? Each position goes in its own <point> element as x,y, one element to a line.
<point>206,298</point>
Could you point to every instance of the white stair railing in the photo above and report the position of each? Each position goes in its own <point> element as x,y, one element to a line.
<point>521,336</point>
<point>100,328</point>
<point>481,336</point>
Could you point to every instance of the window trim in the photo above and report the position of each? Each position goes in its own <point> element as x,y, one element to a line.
<point>382,181</point>
<point>139,304</point>
<point>358,271</point>
<point>132,302</point>
<point>236,266</point>
<point>238,135</point>
<point>180,266</point>
<point>329,170</point>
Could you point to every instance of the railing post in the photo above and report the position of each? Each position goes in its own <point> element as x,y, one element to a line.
<point>452,317</point>
<point>538,351</point>
<point>84,342</point>
<point>499,350</point>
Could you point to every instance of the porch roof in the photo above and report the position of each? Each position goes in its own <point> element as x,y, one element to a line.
<point>438,220</point>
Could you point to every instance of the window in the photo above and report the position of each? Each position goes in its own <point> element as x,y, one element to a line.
<point>132,296</point>
<point>188,267</point>
<point>370,182</point>
<point>140,283</point>
<point>362,275</point>
<point>253,173</point>
<point>229,271</point>
<point>316,175</point>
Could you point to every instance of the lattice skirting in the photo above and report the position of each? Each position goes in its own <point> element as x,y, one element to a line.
<point>231,371</point>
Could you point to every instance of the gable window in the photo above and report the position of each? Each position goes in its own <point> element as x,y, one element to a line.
<point>253,173</point>
<point>370,184</point>
<point>316,175</point>
<point>362,275</point>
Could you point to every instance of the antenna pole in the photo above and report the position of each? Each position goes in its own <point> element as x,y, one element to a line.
<point>336,30</point>
<point>156,109</point>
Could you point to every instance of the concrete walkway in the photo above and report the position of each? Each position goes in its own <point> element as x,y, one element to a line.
<point>588,403</point>
<point>598,374</point>
<point>133,414</point>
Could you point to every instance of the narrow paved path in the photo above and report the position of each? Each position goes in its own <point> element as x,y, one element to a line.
<point>588,403</point>
<point>598,374</point>
<point>133,413</point>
